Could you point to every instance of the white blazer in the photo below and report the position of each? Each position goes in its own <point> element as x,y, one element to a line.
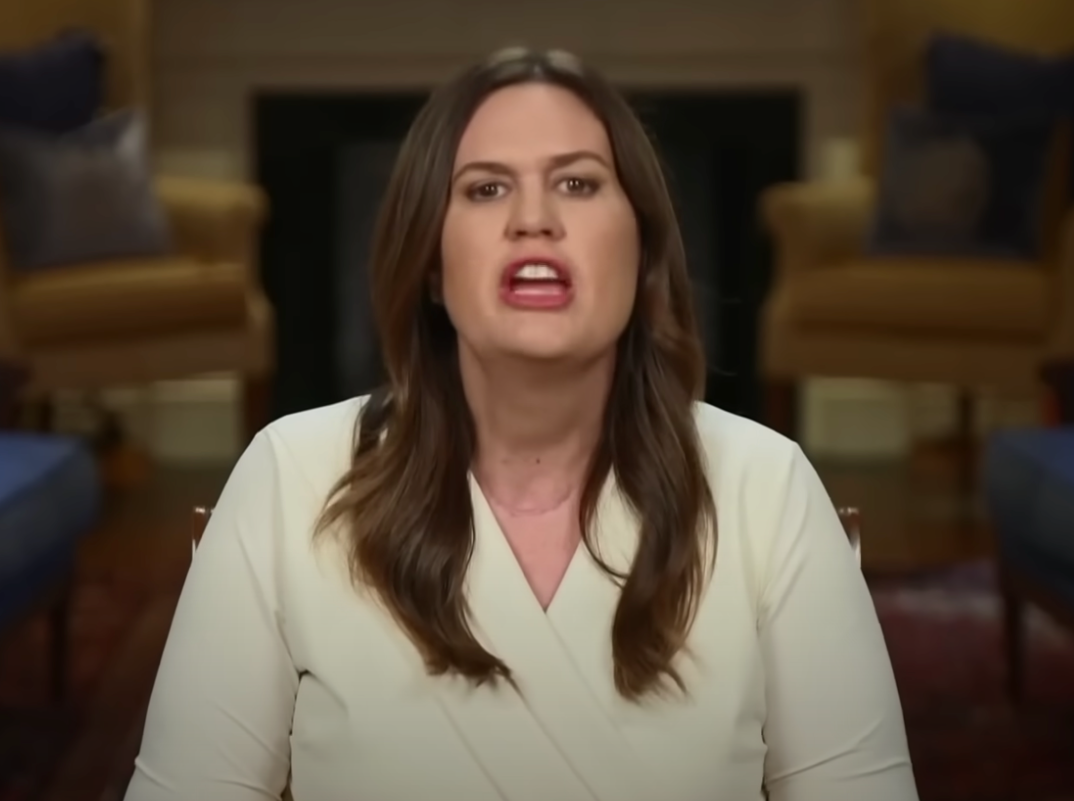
<point>277,669</point>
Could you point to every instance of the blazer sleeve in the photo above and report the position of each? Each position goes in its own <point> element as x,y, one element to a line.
<point>219,720</point>
<point>834,726</point>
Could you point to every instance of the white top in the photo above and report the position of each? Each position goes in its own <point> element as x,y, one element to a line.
<point>275,663</point>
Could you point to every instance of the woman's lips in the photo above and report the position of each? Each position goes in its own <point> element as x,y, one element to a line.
<point>537,282</point>
<point>545,295</point>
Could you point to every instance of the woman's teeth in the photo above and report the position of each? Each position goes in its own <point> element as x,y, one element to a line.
<point>536,272</point>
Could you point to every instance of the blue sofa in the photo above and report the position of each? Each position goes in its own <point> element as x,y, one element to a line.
<point>50,498</point>
<point>1029,487</point>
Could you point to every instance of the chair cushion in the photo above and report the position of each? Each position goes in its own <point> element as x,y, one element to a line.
<point>130,298</point>
<point>50,496</point>
<point>959,297</point>
<point>1029,487</point>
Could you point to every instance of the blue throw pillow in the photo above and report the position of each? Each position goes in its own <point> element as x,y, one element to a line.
<point>55,87</point>
<point>962,186</point>
<point>973,77</point>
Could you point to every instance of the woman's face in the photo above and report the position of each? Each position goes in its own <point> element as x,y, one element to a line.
<point>540,247</point>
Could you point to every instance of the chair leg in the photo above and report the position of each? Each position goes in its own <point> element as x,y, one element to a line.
<point>781,407</point>
<point>256,405</point>
<point>1014,636</point>
<point>60,641</point>
<point>966,443</point>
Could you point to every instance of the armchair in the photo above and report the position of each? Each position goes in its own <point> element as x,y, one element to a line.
<point>50,498</point>
<point>835,311</point>
<point>198,310</point>
<point>1029,487</point>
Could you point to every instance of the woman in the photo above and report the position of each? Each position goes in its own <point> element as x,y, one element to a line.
<point>541,570</point>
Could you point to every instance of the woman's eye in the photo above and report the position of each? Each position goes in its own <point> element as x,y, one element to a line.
<point>579,186</point>
<point>486,191</point>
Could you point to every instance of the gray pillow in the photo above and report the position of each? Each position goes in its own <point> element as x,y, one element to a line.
<point>82,196</point>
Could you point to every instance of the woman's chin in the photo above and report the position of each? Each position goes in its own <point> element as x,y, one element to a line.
<point>542,351</point>
<point>540,344</point>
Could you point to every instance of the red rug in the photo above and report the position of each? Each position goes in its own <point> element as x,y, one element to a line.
<point>35,732</point>
<point>944,633</point>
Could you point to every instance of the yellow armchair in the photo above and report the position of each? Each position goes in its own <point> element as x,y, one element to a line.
<point>132,321</point>
<point>815,224</point>
<point>834,311</point>
<point>199,310</point>
<point>213,221</point>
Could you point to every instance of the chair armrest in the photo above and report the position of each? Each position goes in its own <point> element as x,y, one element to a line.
<point>818,224</point>
<point>213,220</point>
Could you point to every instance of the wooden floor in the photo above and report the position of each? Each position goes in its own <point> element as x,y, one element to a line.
<point>147,529</point>
<point>914,517</point>
<point>144,541</point>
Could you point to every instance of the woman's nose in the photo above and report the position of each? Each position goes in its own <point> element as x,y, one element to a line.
<point>534,214</point>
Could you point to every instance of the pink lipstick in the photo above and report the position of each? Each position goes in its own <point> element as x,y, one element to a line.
<point>537,283</point>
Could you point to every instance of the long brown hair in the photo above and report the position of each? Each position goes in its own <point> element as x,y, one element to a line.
<point>405,501</point>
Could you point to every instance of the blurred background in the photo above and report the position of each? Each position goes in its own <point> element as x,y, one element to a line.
<point>875,198</point>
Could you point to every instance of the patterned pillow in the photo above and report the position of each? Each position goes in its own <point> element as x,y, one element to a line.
<point>962,186</point>
<point>81,196</point>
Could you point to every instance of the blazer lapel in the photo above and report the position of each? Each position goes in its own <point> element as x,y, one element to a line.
<point>561,661</point>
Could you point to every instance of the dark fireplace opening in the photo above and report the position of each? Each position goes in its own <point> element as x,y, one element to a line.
<point>324,159</point>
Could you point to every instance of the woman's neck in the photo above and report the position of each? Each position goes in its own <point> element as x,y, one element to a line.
<point>536,430</point>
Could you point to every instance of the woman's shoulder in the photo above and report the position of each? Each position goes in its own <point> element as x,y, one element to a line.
<point>768,496</point>
<point>736,446</point>
<point>315,445</point>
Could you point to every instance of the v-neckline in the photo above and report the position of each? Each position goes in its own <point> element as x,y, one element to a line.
<point>561,660</point>
<point>486,516</point>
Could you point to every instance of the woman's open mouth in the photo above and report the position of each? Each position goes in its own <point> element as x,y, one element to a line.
<point>537,283</point>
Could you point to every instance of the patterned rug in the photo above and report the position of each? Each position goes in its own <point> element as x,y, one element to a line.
<point>944,633</point>
<point>35,733</point>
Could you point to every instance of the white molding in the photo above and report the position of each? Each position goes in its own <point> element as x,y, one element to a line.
<point>198,422</point>
<point>194,422</point>
<point>875,420</point>
<point>195,432</point>
<point>854,419</point>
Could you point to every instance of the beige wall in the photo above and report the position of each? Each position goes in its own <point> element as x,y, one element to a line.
<point>209,56</point>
